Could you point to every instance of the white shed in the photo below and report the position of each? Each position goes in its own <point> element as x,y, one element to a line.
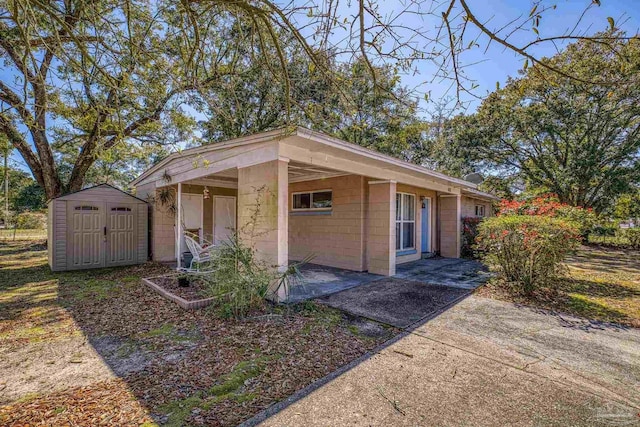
<point>97,227</point>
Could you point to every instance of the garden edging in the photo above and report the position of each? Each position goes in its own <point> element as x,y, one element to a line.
<point>187,305</point>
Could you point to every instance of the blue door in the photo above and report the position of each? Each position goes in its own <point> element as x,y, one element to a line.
<point>425,222</point>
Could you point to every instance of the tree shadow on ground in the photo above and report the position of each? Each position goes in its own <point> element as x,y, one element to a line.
<point>182,367</point>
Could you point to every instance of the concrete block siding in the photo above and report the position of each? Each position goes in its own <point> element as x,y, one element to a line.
<point>335,238</point>
<point>469,206</point>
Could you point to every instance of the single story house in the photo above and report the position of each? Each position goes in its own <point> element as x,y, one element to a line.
<point>294,192</point>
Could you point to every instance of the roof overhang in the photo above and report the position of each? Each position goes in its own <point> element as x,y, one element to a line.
<point>302,145</point>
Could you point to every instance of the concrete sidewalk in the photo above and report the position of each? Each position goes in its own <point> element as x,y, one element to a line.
<point>487,363</point>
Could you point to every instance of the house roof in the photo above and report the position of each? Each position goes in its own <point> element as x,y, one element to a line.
<point>104,185</point>
<point>321,138</point>
<point>475,193</point>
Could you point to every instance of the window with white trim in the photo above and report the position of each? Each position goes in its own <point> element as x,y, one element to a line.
<point>312,201</point>
<point>479,210</point>
<point>405,221</point>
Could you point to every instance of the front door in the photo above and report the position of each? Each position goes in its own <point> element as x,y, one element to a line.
<point>121,234</point>
<point>426,223</point>
<point>224,218</point>
<point>86,235</point>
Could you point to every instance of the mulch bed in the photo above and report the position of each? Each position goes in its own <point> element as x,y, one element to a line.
<point>190,356</point>
<point>195,291</point>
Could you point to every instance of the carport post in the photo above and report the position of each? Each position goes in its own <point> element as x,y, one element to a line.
<point>179,225</point>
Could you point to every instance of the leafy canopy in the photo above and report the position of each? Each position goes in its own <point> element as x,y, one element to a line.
<point>578,140</point>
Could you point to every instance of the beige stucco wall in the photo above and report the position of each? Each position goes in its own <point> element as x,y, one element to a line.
<point>163,220</point>
<point>335,238</point>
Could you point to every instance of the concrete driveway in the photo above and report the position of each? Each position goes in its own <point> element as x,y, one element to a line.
<point>486,363</point>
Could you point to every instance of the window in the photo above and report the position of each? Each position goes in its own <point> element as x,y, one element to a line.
<point>405,221</point>
<point>479,210</point>
<point>313,200</point>
<point>121,209</point>
<point>86,208</point>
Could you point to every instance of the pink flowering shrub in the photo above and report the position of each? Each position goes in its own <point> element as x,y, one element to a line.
<point>526,250</point>
<point>549,205</point>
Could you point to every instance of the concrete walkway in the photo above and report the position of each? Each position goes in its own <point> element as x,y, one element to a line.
<point>486,363</point>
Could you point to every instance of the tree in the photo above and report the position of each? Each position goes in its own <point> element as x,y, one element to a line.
<point>25,194</point>
<point>5,150</point>
<point>88,76</point>
<point>561,135</point>
<point>347,105</point>
<point>628,206</point>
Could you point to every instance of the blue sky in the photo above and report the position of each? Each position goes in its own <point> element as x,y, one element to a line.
<point>496,64</point>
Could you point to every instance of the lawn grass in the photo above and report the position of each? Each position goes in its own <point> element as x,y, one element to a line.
<point>601,284</point>
<point>10,234</point>
<point>173,366</point>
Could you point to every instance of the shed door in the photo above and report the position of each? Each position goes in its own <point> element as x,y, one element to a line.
<point>85,240</point>
<point>121,233</point>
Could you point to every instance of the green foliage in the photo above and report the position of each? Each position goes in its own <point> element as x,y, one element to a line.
<point>557,134</point>
<point>526,250</point>
<point>382,116</point>
<point>24,193</point>
<point>29,197</point>
<point>628,206</point>
<point>549,205</point>
<point>30,221</point>
<point>633,235</point>
<point>469,235</point>
<point>238,278</point>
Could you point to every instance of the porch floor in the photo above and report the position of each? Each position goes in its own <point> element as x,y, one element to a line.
<point>320,280</point>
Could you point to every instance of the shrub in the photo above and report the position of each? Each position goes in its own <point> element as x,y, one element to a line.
<point>549,205</point>
<point>240,281</point>
<point>526,250</point>
<point>469,234</point>
<point>30,221</point>
<point>604,230</point>
<point>237,278</point>
<point>633,235</point>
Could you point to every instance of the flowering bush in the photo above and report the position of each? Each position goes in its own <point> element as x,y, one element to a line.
<point>526,250</point>
<point>469,234</point>
<point>549,205</point>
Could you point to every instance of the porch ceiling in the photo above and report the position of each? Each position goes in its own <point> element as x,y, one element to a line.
<point>297,172</point>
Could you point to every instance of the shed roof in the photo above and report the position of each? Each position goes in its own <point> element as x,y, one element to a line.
<point>105,185</point>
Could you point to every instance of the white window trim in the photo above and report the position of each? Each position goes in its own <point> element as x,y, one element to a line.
<point>483,209</point>
<point>401,221</point>
<point>293,209</point>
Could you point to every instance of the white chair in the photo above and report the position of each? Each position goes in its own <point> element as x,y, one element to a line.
<point>199,253</point>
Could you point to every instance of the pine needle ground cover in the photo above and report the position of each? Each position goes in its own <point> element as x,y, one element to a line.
<point>98,347</point>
